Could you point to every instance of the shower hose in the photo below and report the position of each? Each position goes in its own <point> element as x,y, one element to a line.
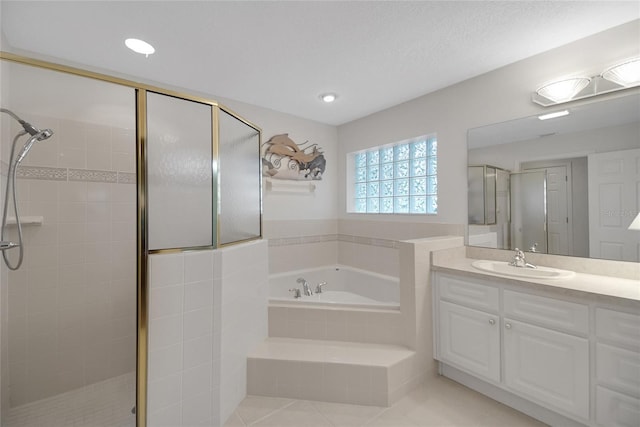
<point>11,188</point>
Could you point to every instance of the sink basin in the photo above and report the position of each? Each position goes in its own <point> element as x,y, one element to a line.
<point>501,267</point>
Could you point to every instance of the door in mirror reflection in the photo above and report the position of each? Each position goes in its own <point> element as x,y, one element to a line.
<point>614,199</point>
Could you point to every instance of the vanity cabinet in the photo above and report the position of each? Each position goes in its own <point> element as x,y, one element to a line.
<point>572,356</point>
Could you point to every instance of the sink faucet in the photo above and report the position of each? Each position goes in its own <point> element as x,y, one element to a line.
<point>305,286</point>
<point>520,261</point>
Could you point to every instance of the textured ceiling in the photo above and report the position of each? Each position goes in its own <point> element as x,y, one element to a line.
<point>283,55</point>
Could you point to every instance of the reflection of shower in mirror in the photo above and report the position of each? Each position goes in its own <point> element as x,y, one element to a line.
<point>36,135</point>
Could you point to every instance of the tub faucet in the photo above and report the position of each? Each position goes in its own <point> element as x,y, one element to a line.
<point>319,287</point>
<point>305,286</point>
<point>520,261</point>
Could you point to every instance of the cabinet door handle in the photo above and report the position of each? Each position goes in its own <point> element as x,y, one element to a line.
<point>492,322</point>
<point>507,325</point>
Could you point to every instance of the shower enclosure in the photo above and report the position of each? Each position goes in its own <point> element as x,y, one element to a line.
<point>69,316</point>
<point>529,210</point>
<point>128,170</point>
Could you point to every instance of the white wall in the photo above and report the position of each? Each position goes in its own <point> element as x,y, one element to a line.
<point>497,96</point>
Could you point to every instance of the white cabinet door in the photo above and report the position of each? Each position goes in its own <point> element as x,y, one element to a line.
<point>548,366</point>
<point>470,340</point>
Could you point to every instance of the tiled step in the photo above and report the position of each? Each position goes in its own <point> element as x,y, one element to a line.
<point>331,371</point>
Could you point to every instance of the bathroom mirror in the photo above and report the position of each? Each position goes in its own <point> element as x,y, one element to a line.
<point>578,173</point>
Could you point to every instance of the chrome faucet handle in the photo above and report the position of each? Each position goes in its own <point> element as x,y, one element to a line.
<point>319,287</point>
<point>296,292</point>
<point>518,259</point>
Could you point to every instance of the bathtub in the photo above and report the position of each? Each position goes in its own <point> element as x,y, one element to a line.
<point>346,287</point>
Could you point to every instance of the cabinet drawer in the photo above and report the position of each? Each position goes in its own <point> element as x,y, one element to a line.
<point>549,312</point>
<point>469,293</point>
<point>615,409</point>
<point>623,328</point>
<point>618,368</point>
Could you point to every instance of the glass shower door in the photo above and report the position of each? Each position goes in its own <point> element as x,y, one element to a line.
<point>528,210</point>
<point>69,311</point>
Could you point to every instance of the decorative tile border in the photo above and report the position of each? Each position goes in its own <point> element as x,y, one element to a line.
<point>384,243</point>
<point>127,178</point>
<point>92,175</point>
<point>64,174</point>
<point>288,241</point>
<point>34,172</point>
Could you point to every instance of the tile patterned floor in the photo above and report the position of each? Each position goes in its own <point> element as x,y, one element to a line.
<point>104,404</point>
<point>439,403</point>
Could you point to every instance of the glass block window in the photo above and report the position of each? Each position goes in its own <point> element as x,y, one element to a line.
<point>399,178</point>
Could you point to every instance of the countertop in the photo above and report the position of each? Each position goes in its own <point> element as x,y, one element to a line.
<point>628,289</point>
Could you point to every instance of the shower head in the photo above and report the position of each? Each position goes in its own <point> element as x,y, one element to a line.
<point>40,135</point>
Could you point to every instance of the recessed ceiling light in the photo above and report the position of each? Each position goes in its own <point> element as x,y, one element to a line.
<point>554,115</point>
<point>140,46</point>
<point>328,97</point>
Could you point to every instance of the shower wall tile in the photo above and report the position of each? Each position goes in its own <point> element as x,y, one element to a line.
<point>199,375</point>
<point>166,270</point>
<point>75,293</point>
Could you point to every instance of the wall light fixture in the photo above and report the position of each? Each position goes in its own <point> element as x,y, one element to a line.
<point>622,76</point>
<point>626,74</point>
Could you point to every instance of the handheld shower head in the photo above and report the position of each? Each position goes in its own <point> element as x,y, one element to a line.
<point>28,127</point>
<point>37,135</point>
<point>41,135</point>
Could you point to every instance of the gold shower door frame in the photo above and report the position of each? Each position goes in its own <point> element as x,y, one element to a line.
<point>142,251</point>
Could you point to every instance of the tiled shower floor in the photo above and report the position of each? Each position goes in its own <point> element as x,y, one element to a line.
<point>438,403</point>
<point>104,404</point>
